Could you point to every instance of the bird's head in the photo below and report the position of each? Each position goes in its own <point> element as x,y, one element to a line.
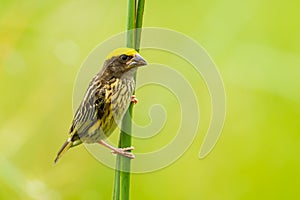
<point>123,60</point>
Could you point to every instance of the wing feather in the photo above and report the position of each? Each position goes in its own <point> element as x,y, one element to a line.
<point>89,114</point>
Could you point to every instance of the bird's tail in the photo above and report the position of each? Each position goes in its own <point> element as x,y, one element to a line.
<point>67,145</point>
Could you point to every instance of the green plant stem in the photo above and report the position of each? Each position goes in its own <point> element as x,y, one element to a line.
<point>122,172</point>
<point>139,23</point>
<point>116,192</point>
<point>131,23</point>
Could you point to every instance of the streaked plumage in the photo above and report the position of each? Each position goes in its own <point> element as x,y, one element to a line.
<point>106,100</point>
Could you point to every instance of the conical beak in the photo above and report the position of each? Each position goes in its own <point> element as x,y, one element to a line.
<point>137,61</point>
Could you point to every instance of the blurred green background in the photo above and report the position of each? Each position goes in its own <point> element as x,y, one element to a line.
<point>256,46</point>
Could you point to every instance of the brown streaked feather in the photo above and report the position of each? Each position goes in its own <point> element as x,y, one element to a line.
<point>67,145</point>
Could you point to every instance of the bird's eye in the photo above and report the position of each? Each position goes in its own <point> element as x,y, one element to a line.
<point>124,57</point>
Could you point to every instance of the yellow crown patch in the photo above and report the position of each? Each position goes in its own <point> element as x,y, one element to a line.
<point>120,51</point>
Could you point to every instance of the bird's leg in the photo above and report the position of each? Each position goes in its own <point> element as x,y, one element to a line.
<point>134,100</point>
<point>121,151</point>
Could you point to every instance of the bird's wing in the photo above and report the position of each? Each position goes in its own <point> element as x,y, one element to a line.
<point>91,109</point>
<point>87,115</point>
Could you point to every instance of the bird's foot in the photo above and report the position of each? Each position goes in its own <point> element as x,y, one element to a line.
<point>124,152</point>
<point>134,100</point>
<point>120,151</point>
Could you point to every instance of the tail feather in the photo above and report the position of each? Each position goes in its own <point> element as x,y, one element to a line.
<point>67,145</point>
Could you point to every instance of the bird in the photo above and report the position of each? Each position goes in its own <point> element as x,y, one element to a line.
<point>105,102</point>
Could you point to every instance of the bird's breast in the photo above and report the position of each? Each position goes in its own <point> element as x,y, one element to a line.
<point>121,97</point>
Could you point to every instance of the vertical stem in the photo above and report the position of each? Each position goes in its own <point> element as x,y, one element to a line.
<point>125,138</point>
<point>139,23</point>
<point>122,172</point>
<point>131,23</point>
<point>116,191</point>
